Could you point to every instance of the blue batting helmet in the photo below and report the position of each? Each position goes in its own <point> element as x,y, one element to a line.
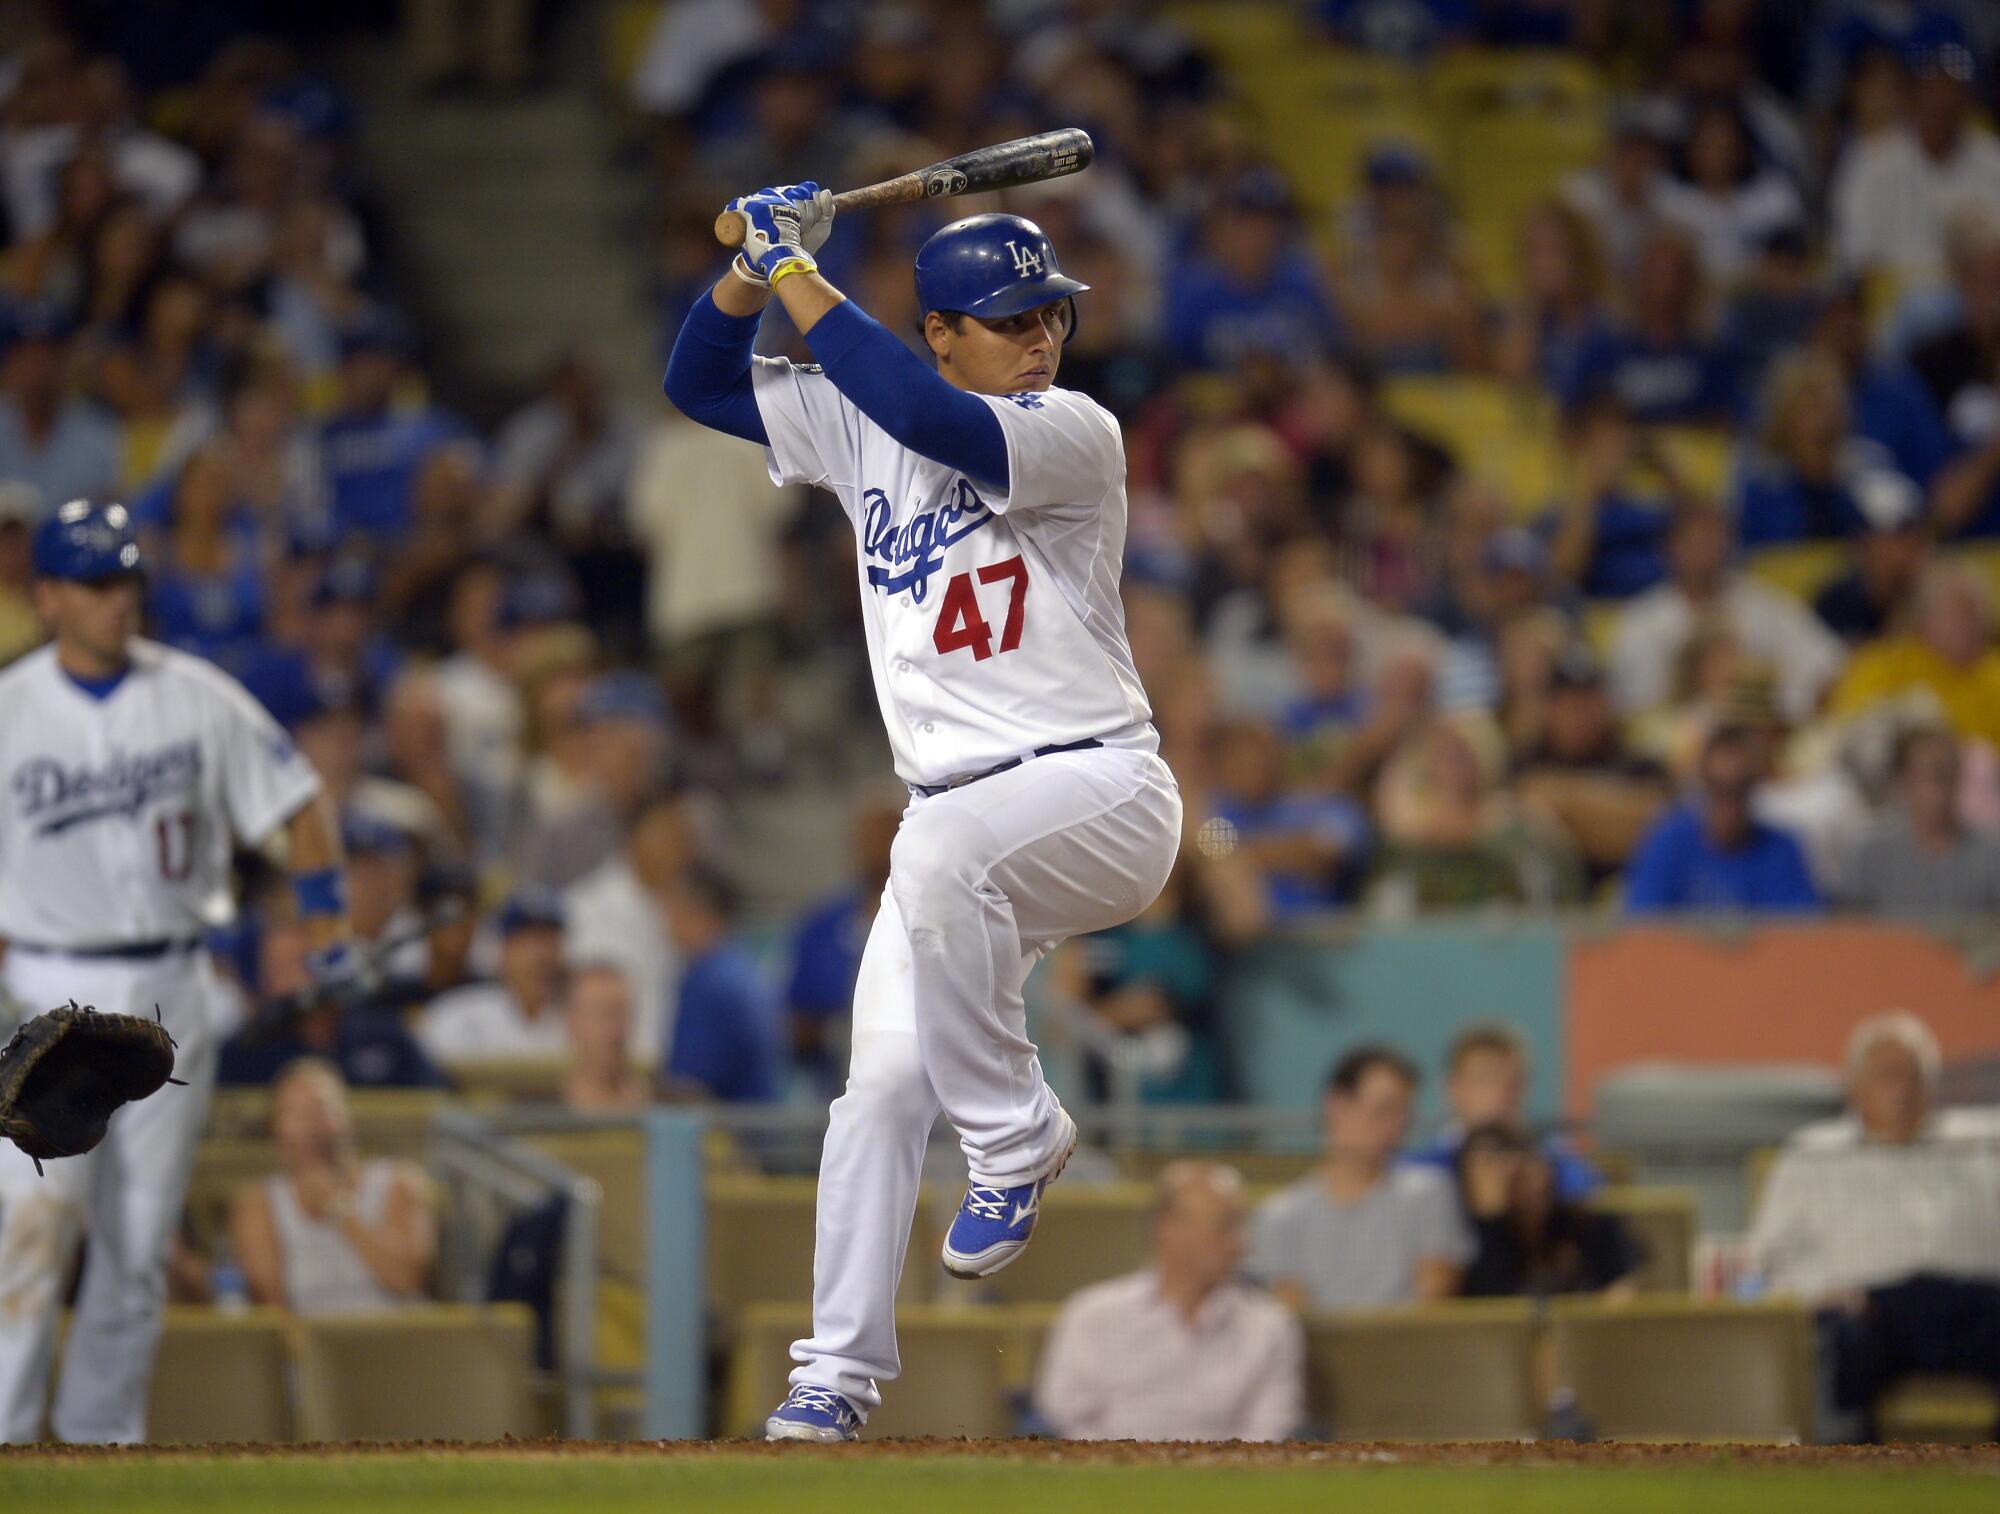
<point>991,266</point>
<point>86,542</point>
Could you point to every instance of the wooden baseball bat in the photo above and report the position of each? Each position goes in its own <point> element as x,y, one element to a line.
<point>1026,160</point>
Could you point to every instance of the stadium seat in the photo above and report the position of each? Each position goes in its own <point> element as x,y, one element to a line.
<point>1087,1232</point>
<point>616,1160</point>
<point>1663,1221</point>
<point>439,1373</point>
<point>1457,1371</point>
<point>514,1080</point>
<point>1243,35</point>
<point>760,1243</point>
<point>223,1164</point>
<point>1801,569</point>
<point>222,1377</point>
<point>1938,1408</point>
<point>965,1371</point>
<point>1701,456</point>
<point>1324,112</point>
<point>1501,435</point>
<point>1660,1369</point>
<point>628,24</point>
<point>388,1122</point>
<point>1986,561</point>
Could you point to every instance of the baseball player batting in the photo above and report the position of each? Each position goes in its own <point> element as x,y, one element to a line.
<point>990,507</point>
<point>129,772</point>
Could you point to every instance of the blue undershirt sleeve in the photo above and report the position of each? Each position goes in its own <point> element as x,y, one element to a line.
<point>890,385</point>
<point>708,373</point>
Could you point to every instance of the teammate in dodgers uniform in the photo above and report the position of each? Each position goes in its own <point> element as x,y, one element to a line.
<point>990,508</point>
<point>127,773</point>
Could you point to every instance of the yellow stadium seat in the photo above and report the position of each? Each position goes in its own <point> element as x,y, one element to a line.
<point>963,1369</point>
<point>1458,1371</point>
<point>1801,569</point>
<point>1477,83</point>
<point>616,1160</point>
<point>627,25</point>
<point>1661,1369</point>
<point>1938,1407</point>
<point>1986,561</point>
<point>1600,624</point>
<point>1663,1221</point>
<point>515,1080</point>
<point>1702,457</point>
<point>1499,434</point>
<point>222,1377</point>
<point>760,1243</point>
<point>222,1164</point>
<point>1243,35</point>
<point>446,1372</point>
<point>388,1122</point>
<point>1323,113</point>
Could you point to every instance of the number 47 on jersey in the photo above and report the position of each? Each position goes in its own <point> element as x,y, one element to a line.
<point>960,623</point>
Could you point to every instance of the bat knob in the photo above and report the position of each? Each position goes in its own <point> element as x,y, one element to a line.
<point>731,228</point>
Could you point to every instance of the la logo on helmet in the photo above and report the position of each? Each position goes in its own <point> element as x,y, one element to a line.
<point>1026,259</point>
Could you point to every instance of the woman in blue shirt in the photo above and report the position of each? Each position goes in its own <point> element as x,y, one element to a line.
<point>205,591</point>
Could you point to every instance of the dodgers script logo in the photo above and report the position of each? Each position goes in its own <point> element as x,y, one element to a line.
<point>911,554</point>
<point>54,798</point>
<point>1026,259</point>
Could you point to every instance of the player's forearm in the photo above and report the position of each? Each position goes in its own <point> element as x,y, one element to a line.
<point>318,874</point>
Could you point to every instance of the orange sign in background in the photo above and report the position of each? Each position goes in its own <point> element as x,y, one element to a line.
<point>1772,994</point>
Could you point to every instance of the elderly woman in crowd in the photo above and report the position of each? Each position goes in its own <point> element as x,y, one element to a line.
<point>331,1232</point>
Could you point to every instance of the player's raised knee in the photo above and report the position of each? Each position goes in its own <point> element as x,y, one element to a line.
<point>939,854</point>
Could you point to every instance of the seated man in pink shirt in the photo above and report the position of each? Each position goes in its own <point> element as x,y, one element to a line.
<point>1184,1351</point>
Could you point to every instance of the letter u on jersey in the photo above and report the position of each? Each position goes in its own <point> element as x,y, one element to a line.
<point>909,555</point>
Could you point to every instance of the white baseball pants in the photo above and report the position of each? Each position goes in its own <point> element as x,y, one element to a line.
<point>129,1192</point>
<point>983,881</point>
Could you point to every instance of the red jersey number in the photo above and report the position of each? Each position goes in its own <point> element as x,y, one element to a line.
<point>959,623</point>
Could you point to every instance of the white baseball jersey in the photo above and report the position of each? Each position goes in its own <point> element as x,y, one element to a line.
<point>993,618</point>
<point>119,812</point>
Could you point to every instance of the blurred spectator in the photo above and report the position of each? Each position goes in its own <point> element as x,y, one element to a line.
<point>1486,1088</point>
<point>1530,1238</point>
<point>1407,305</point>
<point>1451,839</point>
<point>333,735</point>
<point>375,447</point>
<point>416,755</point>
<point>1948,651</point>
<point>1663,364</point>
<point>1922,860</point>
<point>331,1233</point>
<point>1625,200</point>
<point>518,1017</point>
<point>598,1020</point>
<point>205,578</point>
<point>473,692</point>
<point>1250,286</point>
<point>1834,1225</point>
<point>724,1039</point>
<point>1363,1229</point>
<point>1183,1350</point>
<point>1389,538</point>
<point>20,626</point>
<point>1584,775</point>
<point>1608,535</point>
<point>1712,855</point>
<point>1960,366</point>
<point>1561,307</point>
<point>616,913</point>
<point>1305,843</point>
<point>1703,590</point>
<point>1894,193</point>
<point>1723,197</point>
<point>1887,551</point>
<point>1797,487</point>
<point>827,942</point>
<point>381,877</point>
<point>1410,30</point>
<point>624,721</point>
<point>60,446</point>
<point>366,1041</point>
<point>447,910</point>
<point>1775,307</point>
<point>1848,33</point>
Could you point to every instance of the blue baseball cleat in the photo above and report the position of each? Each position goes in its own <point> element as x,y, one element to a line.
<point>994,1225</point>
<point>817,1414</point>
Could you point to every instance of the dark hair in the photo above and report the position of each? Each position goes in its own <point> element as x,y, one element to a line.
<point>1730,737</point>
<point>1357,1064</point>
<point>1485,1035</point>
<point>1908,742</point>
<point>715,888</point>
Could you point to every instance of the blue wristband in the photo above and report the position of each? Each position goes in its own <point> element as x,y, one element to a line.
<point>321,893</point>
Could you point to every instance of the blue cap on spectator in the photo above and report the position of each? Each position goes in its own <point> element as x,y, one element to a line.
<point>1514,550</point>
<point>531,909</point>
<point>1258,190</point>
<point>349,580</point>
<point>621,696</point>
<point>540,598</point>
<point>1393,164</point>
<point>366,835</point>
<point>375,329</point>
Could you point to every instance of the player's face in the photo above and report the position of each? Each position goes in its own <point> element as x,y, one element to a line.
<point>96,619</point>
<point>1013,355</point>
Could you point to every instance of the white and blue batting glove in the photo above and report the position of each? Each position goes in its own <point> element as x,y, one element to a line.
<point>783,225</point>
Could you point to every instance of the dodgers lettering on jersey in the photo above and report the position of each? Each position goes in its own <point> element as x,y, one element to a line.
<point>993,618</point>
<point>118,815</point>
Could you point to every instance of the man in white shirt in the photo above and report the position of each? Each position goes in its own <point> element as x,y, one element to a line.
<point>1889,1221</point>
<point>1702,589</point>
<point>1183,1350</point>
<point>520,1017</point>
<point>1895,192</point>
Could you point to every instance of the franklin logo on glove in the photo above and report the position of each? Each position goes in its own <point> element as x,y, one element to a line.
<point>67,1072</point>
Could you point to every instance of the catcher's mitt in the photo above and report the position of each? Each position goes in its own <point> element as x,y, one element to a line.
<point>65,1074</point>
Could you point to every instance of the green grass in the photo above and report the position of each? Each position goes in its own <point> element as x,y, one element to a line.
<point>470,1484</point>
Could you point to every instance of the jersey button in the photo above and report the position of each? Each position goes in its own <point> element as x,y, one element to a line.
<point>928,728</point>
<point>902,667</point>
<point>906,600</point>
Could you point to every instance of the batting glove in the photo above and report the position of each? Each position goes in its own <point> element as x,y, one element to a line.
<point>343,974</point>
<point>787,224</point>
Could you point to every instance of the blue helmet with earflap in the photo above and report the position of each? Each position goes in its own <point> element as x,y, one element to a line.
<point>992,266</point>
<point>87,543</point>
